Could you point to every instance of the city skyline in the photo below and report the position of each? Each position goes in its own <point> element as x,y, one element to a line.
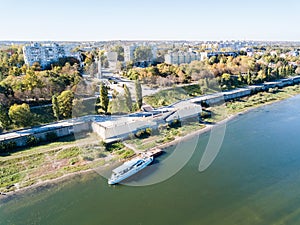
<point>132,20</point>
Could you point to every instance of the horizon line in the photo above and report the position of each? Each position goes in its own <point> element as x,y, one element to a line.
<point>139,40</point>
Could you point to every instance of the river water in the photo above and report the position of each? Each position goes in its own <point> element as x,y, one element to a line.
<point>255,179</point>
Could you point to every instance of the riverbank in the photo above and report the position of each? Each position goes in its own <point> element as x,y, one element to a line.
<point>41,185</point>
<point>5,197</point>
<point>221,114</point>
<point>177,135</point>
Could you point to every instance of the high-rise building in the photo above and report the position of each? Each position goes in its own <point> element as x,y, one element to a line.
<point>180,57</point>
<point>46,54</point>
<point>129,52</point>
<point>112,58</point>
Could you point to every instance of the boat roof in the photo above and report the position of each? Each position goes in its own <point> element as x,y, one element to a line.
<point>126,165</point>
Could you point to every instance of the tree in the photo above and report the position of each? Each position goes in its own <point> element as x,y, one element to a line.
<point>249,80</point>
<point>103,99</point>
<point>118,105</point>
<point>120,50</point>
<point>138,93</point>
<point>4,118</point>
<point>128,99</point>
<point>78,107</point>
<point>6,90</point>
<point>65,104</point>
<point>36,66</point>
<point>55,107</point>
<point>20,115</point>
<point>31,81</point>
<point>143,53</point>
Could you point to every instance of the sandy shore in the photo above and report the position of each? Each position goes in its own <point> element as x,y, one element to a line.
<point>45,184</point>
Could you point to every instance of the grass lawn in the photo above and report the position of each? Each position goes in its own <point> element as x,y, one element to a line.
<point>52,160</point>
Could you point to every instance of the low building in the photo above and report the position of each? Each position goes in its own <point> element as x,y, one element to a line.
<point>184,110</point>
<point>236,93</point>
<point>118,128</point>
<point>121,127</point>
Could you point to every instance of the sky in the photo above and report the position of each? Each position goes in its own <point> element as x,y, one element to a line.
<point>97,20</point>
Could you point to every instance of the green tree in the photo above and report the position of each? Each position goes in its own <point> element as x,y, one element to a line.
<point>249,80</point>
<point>20,115</point>
<point>118,105</point>
<point>138,93</point>
<point>55,107</point>
<point>65,104</point>
<point>127,96</point>
<point>226,80</point>
<point>120,50</point>
<point>143,53</point>
<point>31,81</point>
<point>78,107</point>
<point>4,118</point>
<point>6,90</point>
<point>103,99</point>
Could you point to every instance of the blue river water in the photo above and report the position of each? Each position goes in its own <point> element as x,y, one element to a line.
<point>255,179</point>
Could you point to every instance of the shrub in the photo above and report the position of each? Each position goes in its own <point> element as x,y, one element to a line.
<point>31,141</point>
<point>7,147</point>
<point>148,131</point>
<point>143,133</point>
<point>51,136</point>
<point>68,153</point>
<point>73,161</point>
<point>127,154</point>
<point>114,146</point>
<point>88,158</point>
<point>175,124</point>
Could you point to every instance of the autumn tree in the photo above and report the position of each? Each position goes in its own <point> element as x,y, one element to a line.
<point>103,99</point>
<point>65,104</point>
<point>55,107</point>
<point>20,115</point>
<point>120,51</point>
<point>138,93</point>
<point>127,96</point>
<point>143,53</point>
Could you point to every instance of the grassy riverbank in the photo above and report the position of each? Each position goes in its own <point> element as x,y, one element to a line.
<point>247,103</point>
<point>165,135</point>
<point>47,162</point>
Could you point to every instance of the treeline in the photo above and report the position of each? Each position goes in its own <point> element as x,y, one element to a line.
<point>22,86</point>
<point>120,103</point>
<point>230,72</point>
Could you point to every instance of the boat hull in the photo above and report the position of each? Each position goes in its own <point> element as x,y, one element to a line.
<point>131,172</point>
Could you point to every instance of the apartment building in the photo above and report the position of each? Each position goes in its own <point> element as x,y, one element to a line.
<point>46,54</point>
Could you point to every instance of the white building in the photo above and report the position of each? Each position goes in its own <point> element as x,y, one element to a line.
<point>112,58</point>
<point>122,127</point>
<point>129,52</point>
<point>178,58</point>
<point>46,54</point>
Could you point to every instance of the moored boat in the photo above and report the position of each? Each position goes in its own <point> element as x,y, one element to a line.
<point>129,168</point>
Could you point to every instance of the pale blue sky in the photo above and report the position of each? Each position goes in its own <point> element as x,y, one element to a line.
<point>154,20</point>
